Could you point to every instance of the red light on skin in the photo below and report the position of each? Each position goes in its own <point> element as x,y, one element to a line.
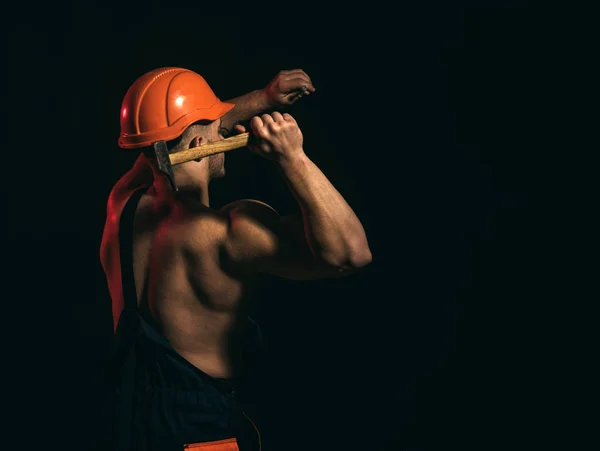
<point>124,113</point>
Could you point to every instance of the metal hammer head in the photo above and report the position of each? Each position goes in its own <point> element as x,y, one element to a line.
<point>161,152</point>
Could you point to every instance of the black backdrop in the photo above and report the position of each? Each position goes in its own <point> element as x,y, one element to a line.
<point>424,118</point>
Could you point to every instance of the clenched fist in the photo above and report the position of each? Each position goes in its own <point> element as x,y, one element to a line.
<point>275,137</point>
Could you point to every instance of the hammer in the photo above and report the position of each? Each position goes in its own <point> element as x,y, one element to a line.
<point>166,161</point>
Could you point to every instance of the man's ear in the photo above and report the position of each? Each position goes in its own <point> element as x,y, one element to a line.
<point>197,141</point>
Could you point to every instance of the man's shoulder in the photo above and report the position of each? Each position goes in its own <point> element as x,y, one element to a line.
<point>210,227</point>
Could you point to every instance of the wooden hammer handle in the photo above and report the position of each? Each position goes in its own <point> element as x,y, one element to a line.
<point>235,142</point>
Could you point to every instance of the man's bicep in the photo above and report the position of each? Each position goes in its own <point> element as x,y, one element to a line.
<point>294,259</point>
<point>259,240</point>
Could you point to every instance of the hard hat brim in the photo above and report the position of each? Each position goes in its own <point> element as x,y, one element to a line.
<point>214,112</point>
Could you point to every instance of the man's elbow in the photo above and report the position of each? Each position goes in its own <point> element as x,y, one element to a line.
<point>360,258</point>
<point>353,259</point>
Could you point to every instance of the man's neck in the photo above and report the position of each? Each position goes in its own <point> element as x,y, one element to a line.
<point>199,195</point>
<point>186,187</point>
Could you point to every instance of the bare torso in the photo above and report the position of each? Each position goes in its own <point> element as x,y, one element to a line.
<point>184,284</point>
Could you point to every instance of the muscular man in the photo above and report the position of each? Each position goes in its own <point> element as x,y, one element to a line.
<point>180,273</point>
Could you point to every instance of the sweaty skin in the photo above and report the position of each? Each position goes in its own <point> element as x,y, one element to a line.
<point>195,266</point>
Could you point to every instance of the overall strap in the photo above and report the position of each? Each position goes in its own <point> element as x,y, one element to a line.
<point>126,250</point>
<point>127,329</point>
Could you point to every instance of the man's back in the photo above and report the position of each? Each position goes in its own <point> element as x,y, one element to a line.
<point>184,283</point>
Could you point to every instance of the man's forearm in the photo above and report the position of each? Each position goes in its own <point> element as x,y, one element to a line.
<point>246,107</point>
<point>334,232</point>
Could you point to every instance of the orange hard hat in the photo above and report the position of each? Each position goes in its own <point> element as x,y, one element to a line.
<point>162,103</point>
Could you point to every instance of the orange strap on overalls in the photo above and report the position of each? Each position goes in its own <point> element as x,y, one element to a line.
<point>229,444</point>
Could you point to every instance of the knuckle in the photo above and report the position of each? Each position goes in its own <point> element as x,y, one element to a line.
<point>261,132</point>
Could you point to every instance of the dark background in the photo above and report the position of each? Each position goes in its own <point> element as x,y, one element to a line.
<point>427,119</point>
